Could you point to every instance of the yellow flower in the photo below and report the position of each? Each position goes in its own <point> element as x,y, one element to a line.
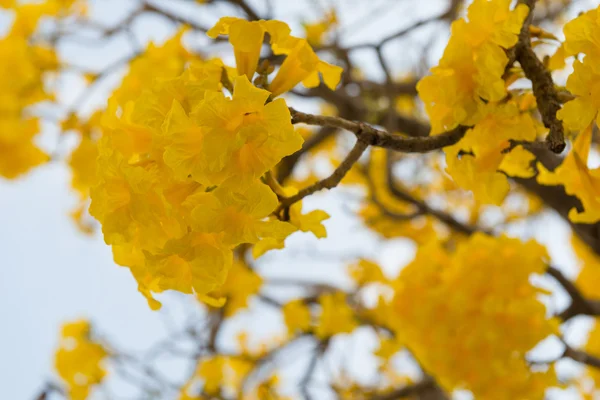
<point>365,272</point>
<point>210,370</point>
<point>240,213</point>
<point>18,153</point>
<point>79,359</point>
<point>166,61</point>
<point>336,316</point>
<point>478,322</point>
<point>24,72</point>
<point>577,179</point>
<point>478,161</point>
<point>196,261</point>
<point>316,31</point>
<point>470,71</point>
<point>126,199</point>
<point>241,284</point>
<point>241,138</point>
<point>296,316</point>
<point>582,35</point>
<point>584,83</point>
<point>375,211</point>
<point>309,222</point>
<point>83,165</point>
<point>247,37</point>
<point>301,64</point>
<point>493,21</point>
<point>589,274</point>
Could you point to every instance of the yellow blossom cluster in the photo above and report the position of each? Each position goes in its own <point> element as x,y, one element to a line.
<point>469,75</point>
<point>577,178</point>
<point>25,69</point>
<point>178,179</point>
<point>218,375</point>
<point>166,61</point>
<point>466,89</point>
<point>301,63</point>
<point>480,162</point>
<point>470,316</point>
<point>181,165</point>
<point>241,284</point>
<point>581,37</point>
<point>181,170</point>
<point>79,359</point>
<point>335,316</point>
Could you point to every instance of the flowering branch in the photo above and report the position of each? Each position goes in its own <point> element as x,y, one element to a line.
<point>543,87</point>
<point>331,181</point>
<point>378,138</point>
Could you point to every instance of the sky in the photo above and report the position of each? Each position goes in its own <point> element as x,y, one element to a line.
<point>52,273</point>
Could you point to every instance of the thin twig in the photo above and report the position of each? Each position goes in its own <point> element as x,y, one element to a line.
<point>579,304</point>
<point>406,391</point>
<point>331,181</point>
<point>581,357</point>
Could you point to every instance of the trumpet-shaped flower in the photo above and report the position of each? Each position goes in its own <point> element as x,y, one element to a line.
<point>584,83</point>
<point>582,35</point>
<point>242,137</point>
<point>479,162</point>
<point>301,64</point>
<point>578,179</point>
<point>239,213</point>
<point>247,38</point>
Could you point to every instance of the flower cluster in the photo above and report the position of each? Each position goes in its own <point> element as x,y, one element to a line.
<point>469,303</point>
<point>581,37</point>
<point>25,69</point>
<point>335,316</point>
<point>470,72</point>
<point>79,359</point>
<point>181,166</point>
<point>301,63</point>
<point>577,178</point>
<point>466,89</point>
<point>480,162</point>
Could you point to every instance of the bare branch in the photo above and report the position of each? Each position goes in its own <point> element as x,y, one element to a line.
<point>581,356</point>
<point>331,181</point>
<point>579,304</point>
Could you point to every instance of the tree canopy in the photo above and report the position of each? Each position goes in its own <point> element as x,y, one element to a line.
<point>446,132</point>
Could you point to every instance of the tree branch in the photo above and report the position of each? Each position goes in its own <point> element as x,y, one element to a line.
<point>579,304</point>
<point>581,357</point>
<point>331,181</point>
<point>286,166</point>
<point>543,87</point>
<point>406,391</point>
<point>379,138</point>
